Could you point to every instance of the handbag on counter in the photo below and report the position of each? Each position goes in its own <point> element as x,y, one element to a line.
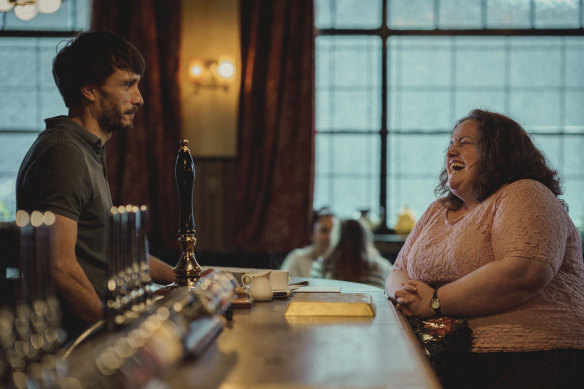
<point>442,335</point>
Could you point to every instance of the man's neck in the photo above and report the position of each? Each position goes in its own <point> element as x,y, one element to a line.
<point>88,121</point>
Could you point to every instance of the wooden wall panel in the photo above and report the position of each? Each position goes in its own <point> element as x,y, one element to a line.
<point>214,198</point>
<point>214,201</point>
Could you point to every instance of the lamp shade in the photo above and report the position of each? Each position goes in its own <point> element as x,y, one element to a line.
<point>5,5</point>
<point>48,6</point>
<point>26,12</point>
<point>225,69</point>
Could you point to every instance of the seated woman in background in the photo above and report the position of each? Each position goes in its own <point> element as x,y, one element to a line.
<point>499,249</point>
<point>352,257</point>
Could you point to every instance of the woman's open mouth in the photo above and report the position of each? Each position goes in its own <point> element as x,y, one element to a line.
<point>456,166</point>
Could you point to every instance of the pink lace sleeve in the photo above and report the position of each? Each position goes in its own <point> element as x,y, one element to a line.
<point>529,223</point>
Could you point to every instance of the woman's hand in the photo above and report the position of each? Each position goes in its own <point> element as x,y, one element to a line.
<point>414,299</point>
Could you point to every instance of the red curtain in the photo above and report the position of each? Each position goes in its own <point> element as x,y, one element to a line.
<point>276,125</point>
<point>141,162</point>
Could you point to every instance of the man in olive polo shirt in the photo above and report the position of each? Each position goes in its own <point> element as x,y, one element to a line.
<point>64,171</point>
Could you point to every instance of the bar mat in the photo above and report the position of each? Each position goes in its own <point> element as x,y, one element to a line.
<point>326,304</point>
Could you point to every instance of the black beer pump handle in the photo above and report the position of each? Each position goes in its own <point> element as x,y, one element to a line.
<point>184,173</point>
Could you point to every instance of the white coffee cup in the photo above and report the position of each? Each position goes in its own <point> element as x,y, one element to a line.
<point>280,279</point>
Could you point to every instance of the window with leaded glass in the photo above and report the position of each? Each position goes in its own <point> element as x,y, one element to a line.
<point>392,78</point>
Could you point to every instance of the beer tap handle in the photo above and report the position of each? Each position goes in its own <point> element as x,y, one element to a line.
<point>187,270</point>
<point>144,256</point>
<point>27,252</point>
<point>184,172</point>
<point>112,298</point>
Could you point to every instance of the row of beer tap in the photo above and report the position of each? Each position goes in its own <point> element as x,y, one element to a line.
<point>146,332</point>
<point>129,285</point>
<point>30,327</point>
<point>34,350</point>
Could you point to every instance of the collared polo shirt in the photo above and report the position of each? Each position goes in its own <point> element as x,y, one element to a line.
<point>64,172</point>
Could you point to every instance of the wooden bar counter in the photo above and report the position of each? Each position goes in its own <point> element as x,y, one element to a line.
<point>263,348</point>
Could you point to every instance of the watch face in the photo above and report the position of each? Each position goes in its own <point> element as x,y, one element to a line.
<point>435,304</point>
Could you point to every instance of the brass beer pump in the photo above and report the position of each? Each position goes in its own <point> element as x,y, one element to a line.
<point>187,270</point>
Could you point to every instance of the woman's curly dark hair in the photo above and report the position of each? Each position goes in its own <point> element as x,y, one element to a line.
<point>505,154</point>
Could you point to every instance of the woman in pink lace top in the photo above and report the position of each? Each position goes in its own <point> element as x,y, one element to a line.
<point>499,249</point>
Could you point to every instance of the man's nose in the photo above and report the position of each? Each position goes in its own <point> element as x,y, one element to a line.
<point>137,98</point>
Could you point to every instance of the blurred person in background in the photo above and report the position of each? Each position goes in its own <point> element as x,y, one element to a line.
<point>353,256</point>
<point>299,261</point>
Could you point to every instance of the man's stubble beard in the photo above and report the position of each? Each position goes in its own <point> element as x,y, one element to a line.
<point>111,119</point>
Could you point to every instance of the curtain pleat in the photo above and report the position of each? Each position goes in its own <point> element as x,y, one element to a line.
<point>275,172</point>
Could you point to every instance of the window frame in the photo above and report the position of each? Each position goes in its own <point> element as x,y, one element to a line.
<point>385,33</point>
<point>77,25</point>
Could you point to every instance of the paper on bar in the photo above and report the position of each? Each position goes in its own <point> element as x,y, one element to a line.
<point>323,304</point>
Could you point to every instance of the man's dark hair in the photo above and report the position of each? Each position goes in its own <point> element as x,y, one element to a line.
<point>317,214</point>
<point>505,154</point>
<point>91,58</point>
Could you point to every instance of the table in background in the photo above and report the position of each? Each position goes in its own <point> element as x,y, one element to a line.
<point>261,348</point>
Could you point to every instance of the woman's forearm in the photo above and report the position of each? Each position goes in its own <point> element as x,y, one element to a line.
<point>394,281</point>
<point>495,287</point>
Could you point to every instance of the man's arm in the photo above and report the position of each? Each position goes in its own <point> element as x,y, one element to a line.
<point>70,279</point>
<point>161,272</point>
<point>164,274</point>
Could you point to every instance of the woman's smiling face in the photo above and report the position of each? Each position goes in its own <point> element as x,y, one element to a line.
<point>461,161</point>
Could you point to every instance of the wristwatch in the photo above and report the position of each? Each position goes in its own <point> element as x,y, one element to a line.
<point>435,304</point>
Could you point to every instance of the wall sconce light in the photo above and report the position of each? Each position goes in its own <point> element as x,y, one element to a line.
<point>211,73</point>
<point>28,9</point>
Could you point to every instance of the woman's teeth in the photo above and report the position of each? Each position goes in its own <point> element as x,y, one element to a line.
<point>456,166</point>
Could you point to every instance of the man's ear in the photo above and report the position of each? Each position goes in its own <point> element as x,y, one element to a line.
<point>88,91</point>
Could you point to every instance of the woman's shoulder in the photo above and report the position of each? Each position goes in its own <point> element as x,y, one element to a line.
<point>526,183</point>
<point>525,189</point>
<point>434,211</point>
<point>528,196</point>
<point>437,204</point>
<point>435,208</point>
